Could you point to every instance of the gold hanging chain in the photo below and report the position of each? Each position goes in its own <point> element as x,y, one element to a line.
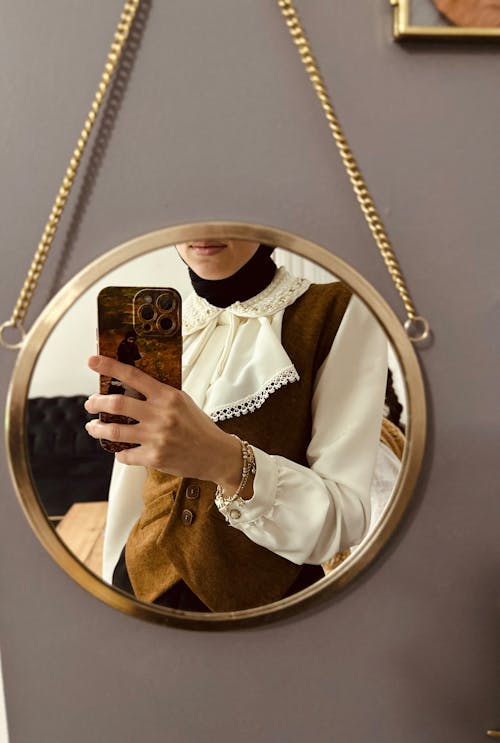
<point>417,327</point>
<point>19,313</point>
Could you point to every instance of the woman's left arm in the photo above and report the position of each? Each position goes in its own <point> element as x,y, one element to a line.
<point>307,514</point>
<point>171,435</point>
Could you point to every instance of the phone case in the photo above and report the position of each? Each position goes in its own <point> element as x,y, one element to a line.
<point>142,327</point>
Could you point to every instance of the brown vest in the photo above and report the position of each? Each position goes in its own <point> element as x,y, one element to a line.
<point>182,534</point>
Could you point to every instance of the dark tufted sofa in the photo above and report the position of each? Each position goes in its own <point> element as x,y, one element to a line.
<point>67,465</point>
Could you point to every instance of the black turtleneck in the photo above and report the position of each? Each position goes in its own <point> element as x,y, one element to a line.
<point>251,279</point>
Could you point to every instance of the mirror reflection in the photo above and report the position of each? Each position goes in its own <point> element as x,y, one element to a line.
<point>270,467</point>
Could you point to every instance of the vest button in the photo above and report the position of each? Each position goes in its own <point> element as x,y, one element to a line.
<point>192,492</point>
<point>187,517</point>
<point>235,514</point>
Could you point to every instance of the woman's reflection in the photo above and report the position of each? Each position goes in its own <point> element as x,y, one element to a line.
<point>297,370</point>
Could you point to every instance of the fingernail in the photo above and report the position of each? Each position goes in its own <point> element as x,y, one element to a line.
<point>94,361</point>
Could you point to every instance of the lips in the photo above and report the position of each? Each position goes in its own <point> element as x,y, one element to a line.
<point>206,244</point>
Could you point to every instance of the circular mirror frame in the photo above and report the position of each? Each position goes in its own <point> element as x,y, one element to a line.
<point>37,336</point>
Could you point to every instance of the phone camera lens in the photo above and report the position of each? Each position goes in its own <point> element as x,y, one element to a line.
<point>146,312</point>
<point>165,302</point>
<point>165,323</point>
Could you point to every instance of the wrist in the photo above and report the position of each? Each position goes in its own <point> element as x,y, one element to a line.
<point>229,464</point>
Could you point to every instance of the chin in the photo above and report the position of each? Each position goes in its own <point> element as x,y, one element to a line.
<point>210,275</point>
<point>214,259</point>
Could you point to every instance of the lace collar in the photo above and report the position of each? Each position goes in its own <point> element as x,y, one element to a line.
<point>283,290</point>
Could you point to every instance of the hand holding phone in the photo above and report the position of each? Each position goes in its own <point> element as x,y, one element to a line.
<point>173,434</point>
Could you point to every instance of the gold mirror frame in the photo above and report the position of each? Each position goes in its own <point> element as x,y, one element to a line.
<point>39,333</point>
<point>403,28</point>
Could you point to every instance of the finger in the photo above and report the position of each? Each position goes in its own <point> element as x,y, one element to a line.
<point>117,432</point>
<point>134,456</point>
<point>135,378</point>
<point>115,405</point>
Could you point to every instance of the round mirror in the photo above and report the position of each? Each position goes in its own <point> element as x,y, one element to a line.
<point>299,386</point>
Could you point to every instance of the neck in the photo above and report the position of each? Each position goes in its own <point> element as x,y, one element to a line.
<point>251,279</point>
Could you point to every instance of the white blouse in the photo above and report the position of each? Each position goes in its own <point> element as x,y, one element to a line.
<point>232,361</point>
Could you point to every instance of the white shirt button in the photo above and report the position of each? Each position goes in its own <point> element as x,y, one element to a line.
<point>234,513</point>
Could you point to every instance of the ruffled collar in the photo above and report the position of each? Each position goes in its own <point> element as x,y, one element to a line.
<point>283,290</point>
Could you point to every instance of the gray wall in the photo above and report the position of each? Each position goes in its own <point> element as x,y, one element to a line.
<point>218,122</point>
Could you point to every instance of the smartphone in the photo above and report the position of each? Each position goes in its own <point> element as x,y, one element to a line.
<point>142,327</point>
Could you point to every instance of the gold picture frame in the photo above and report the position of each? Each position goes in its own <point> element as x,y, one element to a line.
<point>407,24</point>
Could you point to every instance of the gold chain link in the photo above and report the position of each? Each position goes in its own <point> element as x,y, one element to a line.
<point>19,313</point>
<point>416,326</point>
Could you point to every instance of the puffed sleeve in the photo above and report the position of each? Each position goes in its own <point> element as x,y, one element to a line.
<point>307,514</point>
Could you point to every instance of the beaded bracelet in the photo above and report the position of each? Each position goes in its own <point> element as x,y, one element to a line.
<point>248,468</point>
